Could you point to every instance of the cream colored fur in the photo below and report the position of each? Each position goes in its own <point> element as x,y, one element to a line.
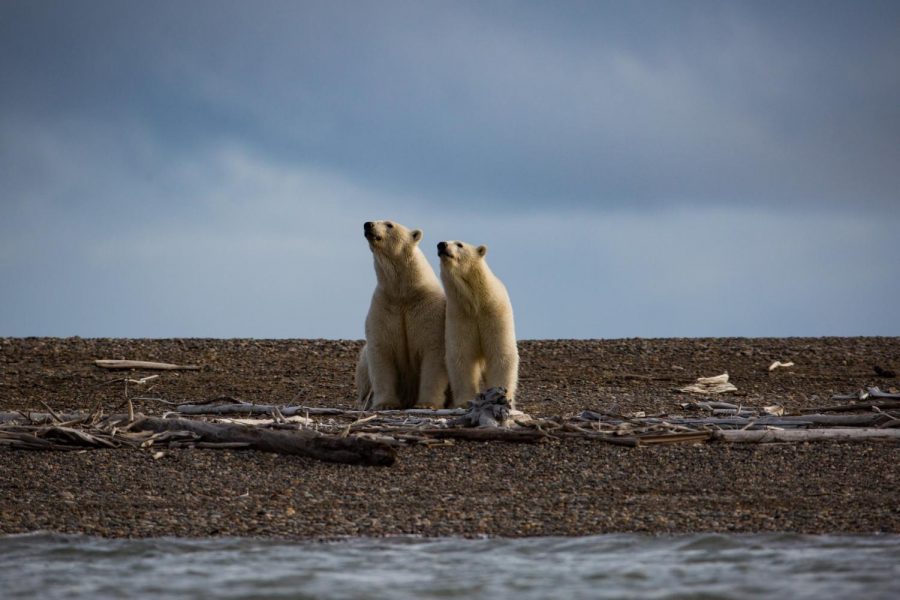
<point>402,363</point>
<point>480,333</point>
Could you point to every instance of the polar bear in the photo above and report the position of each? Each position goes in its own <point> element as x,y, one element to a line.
<point>402,363</point>
<point>480,334</point>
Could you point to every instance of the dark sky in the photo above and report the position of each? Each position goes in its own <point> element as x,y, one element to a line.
<point>637,168</point>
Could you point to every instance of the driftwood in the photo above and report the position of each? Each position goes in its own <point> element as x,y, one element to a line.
<point>858,406</point>
<point>143,364</point>
<point>239,409</point>
<point>725,408</point>
<point>780,365</point>
<point>369,437</point>
<point>486,434</point>
<point>711,405</point>
<point>675,438</point>
<point>489,409</point>
<point>46,434</point>
<point>45,431</point>
<point>30,441</point>
<point>872,392</point>
<point>869,420</point>
<point>303,442</point>
<point>39,418</point>
<point>710,385</point>
<point>288,411</point>
<point>765,421</point>
<point>807,435</point>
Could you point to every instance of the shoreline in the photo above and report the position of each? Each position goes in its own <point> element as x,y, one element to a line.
<point>468,489</point>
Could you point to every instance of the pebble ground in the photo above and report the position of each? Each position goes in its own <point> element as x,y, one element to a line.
<point>570,487</point>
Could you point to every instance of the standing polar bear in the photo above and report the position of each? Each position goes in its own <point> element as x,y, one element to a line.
<point>480,334</point>
<point>402,363</point>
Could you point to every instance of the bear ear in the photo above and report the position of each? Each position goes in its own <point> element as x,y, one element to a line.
<point>482,250</point>
<point>416,235</point>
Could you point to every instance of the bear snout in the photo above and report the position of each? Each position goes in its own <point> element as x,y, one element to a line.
<point>369,231</point>
<point>442,249</point>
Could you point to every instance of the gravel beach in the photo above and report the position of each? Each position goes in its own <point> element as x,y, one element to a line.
<point>568,487</point>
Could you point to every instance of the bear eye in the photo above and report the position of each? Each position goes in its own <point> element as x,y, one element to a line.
<point>390,225</point>
<point>458,245</point>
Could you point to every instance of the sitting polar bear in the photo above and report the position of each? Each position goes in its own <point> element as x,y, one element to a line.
<point>402,363</point>
<point>480,335</point>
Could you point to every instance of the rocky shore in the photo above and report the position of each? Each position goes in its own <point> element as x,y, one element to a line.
<point>561,487</point>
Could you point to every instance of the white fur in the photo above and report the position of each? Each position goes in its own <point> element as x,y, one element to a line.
<point>402,363</point>
<point>480,334</point>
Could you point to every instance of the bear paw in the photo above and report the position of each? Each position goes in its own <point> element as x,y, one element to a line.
<point>429,405</point>
<point>388,404</point>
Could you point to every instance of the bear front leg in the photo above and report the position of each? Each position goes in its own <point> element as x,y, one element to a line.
<point>384,377</point>
<point>433,381</point>
<point>501,355</point>
<point>363,382</point>
<point>503,371</point>
<point>463,368</point>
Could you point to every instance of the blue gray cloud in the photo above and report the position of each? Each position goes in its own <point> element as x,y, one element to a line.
<point>693,168</point>
<point>588,104</point>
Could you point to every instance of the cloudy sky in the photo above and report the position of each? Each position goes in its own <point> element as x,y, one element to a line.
<point>653,169</point>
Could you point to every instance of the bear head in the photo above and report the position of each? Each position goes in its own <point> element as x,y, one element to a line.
<point>460,256</point>
<point>389,238</point>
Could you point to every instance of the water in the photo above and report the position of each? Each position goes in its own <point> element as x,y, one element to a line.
<point>52,566</point>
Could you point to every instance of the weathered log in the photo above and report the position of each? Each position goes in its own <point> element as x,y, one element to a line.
<point>780,365</point>
<point>710,405</point>
<point>487,434</point>
<point>875,392</point>
<point>870,420</point>
<point>39,418</point>
<point>489,409</point>
<point>78,437</point>
<point>857,406</point>
<point>240,408</point>
<point>288,411</point>
<point>674,438</point>
<point>872,392</point>
<point>29,441</point>
<point>806,435</point>
<point>143,364</point>
<point>304,442</point>
<point>734,412</point>
<point>710,385</point>
<point>402,412</point>
<point>231,409</point>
